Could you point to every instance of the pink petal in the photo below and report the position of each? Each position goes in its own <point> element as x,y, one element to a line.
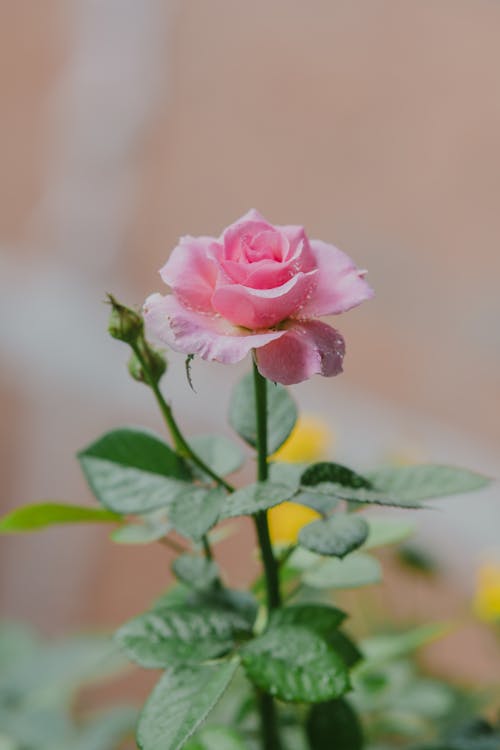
<point>233,237</point>
<point>340,285</point>
<point>308,348</point>
<point>263,308</point>
<point>299,247</point>
<point>263,274</point>
<point>191,272</point>
<point>168,322</point>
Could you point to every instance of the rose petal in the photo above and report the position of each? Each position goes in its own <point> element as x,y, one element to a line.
<point>232,238</point>
<point>263,274</point>
<point>340,284</point>
<point>191,272</point>
<point>263,308</point>
<point>308,348</point>
<point>168,322</point>
<point>299,247</point>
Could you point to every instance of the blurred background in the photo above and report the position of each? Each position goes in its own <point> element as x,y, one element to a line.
<point>376,124</point>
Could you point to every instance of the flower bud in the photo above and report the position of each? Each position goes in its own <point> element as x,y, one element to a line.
<point>155,363</point>
<point>124,324</point>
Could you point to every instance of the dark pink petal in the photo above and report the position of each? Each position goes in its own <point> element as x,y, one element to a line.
<point>340,285</point>
<point>308,348</point>
<point>263,308</point>
<point>191,272</point>
<point>168,322</point>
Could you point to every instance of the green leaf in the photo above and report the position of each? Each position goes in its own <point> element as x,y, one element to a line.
<point>197,572</point>
<point>218,452</point>
<point>39,516</point>
<point>18,641</point>
<point>241,605</point>
<point>385,531</point>
<point>320,618</point>
<point>334,724</point>
<point>295,664</point>
<point>105,731</point>
<point>180,702</point>
<point>341,483</point>
<point>322,504</point>
<point>148,528</point>
<point>415,483</point>
<point>356,570</point>
<point>336,536</point>
<point>59,667</point>
<point>289,474</point>
<point>175,635</point>
<point>133,471</point>
<point>382,648</point>
<point>254,498</point>
<point>217,738</point>
<point>345,648</point>
<point>195,511</point>
<point>281,413</point>
<point>331,473</point>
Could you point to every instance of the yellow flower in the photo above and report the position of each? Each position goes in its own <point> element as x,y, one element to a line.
<point>309,441</point>
<point>487,596</point>
<point>287,519</point>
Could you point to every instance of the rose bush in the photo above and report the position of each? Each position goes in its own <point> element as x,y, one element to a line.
<point>257,286</point>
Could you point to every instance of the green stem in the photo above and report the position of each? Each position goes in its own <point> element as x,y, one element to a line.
<point>206,548</point>
<point>271,570</point>
<point>269,721</point>
<point>180,443</point>
<point>267,706</point>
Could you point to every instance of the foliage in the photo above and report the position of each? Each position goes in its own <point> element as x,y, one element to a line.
<point>296,674</point>
<point>38,684</point>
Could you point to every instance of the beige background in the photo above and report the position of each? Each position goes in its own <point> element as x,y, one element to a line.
<point>124,124</point>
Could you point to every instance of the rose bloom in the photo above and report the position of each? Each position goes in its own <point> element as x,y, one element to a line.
<point>257,287</point>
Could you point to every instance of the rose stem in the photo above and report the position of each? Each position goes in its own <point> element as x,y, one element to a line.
<point>180,443</point>
<point>266,702</point>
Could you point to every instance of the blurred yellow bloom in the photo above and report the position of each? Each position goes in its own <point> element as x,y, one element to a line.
<point>287,519</point>
<point>309,441</point>
<point>487,596</point>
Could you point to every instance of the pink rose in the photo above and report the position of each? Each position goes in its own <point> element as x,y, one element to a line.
<point>257,286</point>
